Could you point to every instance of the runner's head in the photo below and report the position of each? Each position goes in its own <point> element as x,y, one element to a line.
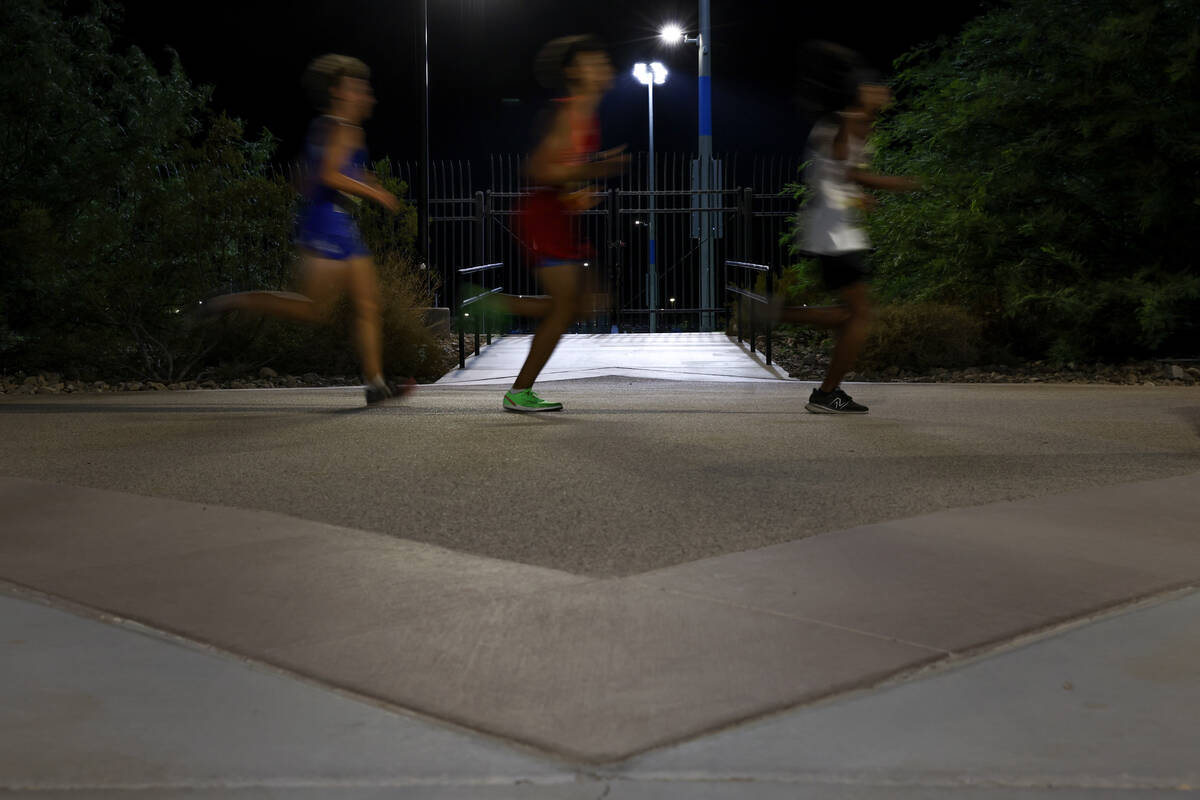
<point>578,64</point>
<point>835,78</point>
<point>871,93</point>
<point>340,85</point>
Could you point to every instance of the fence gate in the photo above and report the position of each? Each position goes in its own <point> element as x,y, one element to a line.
<point>474,224</point>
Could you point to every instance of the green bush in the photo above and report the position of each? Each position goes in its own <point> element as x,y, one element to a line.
<point>1060,140</point>
<point>127,199</point>
<point>409,347</point>
<point>920,337</point>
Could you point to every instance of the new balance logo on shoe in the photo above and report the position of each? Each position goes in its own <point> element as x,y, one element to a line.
<point>835,402</point>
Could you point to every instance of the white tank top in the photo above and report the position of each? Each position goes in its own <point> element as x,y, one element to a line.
<point>832,222</point>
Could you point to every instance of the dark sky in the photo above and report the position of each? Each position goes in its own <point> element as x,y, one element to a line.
<point>483,94</point>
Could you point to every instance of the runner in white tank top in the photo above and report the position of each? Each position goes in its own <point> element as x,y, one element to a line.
<point>831,227</point>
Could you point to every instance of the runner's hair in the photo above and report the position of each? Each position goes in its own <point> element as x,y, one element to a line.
<point>550,66</point>
<point>327,71</point>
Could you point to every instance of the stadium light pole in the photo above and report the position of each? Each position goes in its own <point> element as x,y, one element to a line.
<point>673,34</point>
<point>656,73</point>
<point>423,204</point>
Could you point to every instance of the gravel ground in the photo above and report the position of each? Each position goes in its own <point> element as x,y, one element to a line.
<point>807,359</point>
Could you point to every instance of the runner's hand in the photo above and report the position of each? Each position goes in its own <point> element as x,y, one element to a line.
<point>581,199</point>
<point>387,200</point>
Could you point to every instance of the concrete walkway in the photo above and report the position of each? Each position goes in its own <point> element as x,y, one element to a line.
<point>696,357</point>
<point>635,475</point>
<point>1103,709</point>
<point>599,670</point>
<point>579,605</point>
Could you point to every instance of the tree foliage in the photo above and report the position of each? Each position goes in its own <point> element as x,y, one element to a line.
<point>1061,144</point>
<point>125,199</point>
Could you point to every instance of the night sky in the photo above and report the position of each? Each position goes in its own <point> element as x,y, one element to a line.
<point>483,95</point>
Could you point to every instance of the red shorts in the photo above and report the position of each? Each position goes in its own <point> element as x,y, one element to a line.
<point>548,229</point>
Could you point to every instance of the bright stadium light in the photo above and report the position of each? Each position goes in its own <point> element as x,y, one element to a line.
<point>655,74</point>
<point>671,34</point>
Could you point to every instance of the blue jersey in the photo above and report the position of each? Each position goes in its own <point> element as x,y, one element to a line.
<point>325,225</point>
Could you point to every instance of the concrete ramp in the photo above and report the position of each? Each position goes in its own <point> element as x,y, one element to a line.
<point>703,357</point>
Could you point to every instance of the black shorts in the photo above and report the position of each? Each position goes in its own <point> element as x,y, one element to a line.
<point>843,269</point>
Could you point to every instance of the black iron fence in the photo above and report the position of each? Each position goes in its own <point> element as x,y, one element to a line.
<point>474,212</point>
<point>474,221</point>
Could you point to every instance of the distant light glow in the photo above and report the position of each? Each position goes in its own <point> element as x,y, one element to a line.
<point>655,73</point>
<point>671,34</point>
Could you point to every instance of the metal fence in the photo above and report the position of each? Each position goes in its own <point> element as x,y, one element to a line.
<point>473,220</point>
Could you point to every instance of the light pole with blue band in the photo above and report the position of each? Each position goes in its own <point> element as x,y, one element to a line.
<point>673,34</point>
<point>656,73</point>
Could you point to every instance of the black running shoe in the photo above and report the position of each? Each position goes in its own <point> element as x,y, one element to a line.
<point>377,394</point>
<point>835,402</point>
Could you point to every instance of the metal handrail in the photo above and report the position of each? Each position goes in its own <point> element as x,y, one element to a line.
<point>671,310</point>
<point>462,304</point>
<point>479,296</point>
<point>480,268</point>
<point>748,265</point>
<point>746,293</point>
<point>756,297</point>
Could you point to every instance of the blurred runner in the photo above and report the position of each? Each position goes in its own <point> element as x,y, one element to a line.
<point>334,260</point>
<point>849,96</point>
<point>561,167</point>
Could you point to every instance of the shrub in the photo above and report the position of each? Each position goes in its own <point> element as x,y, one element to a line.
<point>1060,140</point>
<point>409,347</point>
<point>920,337</point>
<point>127,199</point>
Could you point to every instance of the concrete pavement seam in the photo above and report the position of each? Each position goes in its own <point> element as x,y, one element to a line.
<point>797,617</point>
<point>988,781</point>
<point>946,662</point>
<point>57,602</point>
<point>951,661</point>
<point>289,783</point>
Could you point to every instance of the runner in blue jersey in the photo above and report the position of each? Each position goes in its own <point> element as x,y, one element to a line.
<point>334,260</point>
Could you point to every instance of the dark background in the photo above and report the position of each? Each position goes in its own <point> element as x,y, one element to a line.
<point>483,96</point>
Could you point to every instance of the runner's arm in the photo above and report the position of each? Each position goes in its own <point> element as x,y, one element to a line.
<point>887,183</point>
<point>548,167</point>
<point>337,149</point>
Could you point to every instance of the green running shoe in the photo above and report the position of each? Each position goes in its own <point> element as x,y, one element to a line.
<point>525,400</point>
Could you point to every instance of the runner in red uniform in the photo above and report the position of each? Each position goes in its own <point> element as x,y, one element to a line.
<point>561,167</point>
